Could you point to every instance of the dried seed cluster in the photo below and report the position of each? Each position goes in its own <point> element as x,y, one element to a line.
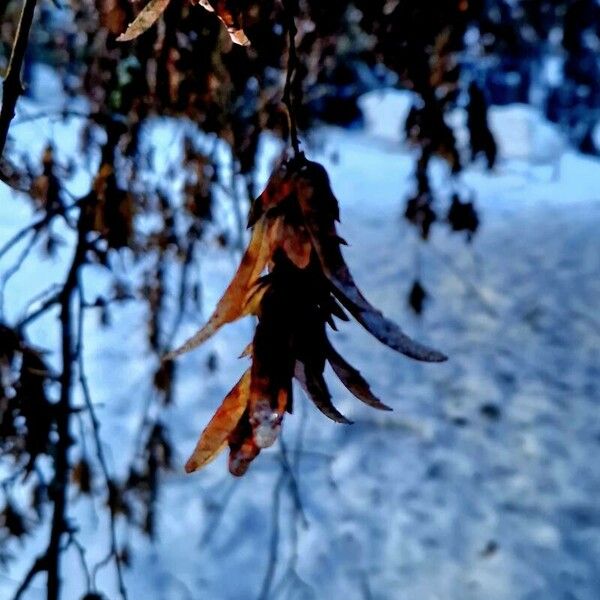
<point>307,283</point>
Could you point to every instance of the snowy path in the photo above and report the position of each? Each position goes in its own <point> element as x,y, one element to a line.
<point>482,485</point>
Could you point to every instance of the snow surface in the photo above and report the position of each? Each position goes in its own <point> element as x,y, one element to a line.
<point>483,482</point>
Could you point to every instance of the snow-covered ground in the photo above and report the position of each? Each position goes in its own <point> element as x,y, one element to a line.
<point>482,485</point>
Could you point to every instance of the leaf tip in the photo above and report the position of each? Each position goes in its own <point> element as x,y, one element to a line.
<point>438,357</point>
<point>191,466</point>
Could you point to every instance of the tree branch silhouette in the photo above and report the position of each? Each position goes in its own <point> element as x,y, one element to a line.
<point>13,86</point>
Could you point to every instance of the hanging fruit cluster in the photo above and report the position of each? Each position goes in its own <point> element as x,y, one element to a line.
<point>306,285</point>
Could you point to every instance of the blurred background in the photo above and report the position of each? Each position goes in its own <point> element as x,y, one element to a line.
<point>462,141</point>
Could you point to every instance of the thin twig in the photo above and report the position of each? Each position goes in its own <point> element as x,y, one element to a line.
<point>291,89</point>
<point>73,541</point>
<point>293,483</point>
<point>114,550</point>
<point>64,411</point>
<point>275,534</point>
<point>39,565</point>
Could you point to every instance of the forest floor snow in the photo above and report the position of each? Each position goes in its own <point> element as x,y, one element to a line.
<point>482,485</point>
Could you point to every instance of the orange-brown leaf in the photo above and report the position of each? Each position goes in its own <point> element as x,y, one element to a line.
<point>214,438</point>
<point>297,246</point>
<point>292,239</point>
<point>236,301</point>
<point>147,17</point>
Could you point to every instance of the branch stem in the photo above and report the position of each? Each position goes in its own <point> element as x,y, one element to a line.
<point>13,86</point>
<point>290,93</point>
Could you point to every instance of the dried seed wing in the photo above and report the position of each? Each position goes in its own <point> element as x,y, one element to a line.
<point>353,380</point>
<point>214,438</point>
<point>297,245</point>
<point>315,387</point>
<point>382,328</point>
<point>235,301</point>
<point>254,299</point>
<point>325,242</point>
<point>147,17</point>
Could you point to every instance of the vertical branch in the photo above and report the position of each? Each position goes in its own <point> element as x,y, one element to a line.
<point>13,87</point>
<point>64,411</point>
<point>290,92</point>
<point>114,548</point>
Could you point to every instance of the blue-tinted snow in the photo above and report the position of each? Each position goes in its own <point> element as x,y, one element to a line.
<point>483,484</point>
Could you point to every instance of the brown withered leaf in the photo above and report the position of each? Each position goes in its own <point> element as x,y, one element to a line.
<point>314,190</point>
<point>315,387</point>
<point>147,17</point>
<point>353,380</point>
<point>215,437</point>
<point>228,18</point>
<point>238,299</point>
<point>297,245</point>
<point>293,240</point>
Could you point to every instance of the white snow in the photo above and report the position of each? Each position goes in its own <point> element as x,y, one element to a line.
<point>385,112</point>
<point>437,501</point>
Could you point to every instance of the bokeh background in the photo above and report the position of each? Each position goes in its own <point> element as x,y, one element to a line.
<point>462,142</point>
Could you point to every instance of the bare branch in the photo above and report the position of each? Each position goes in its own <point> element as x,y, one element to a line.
<point>114,550</point>
<point>13,87</point>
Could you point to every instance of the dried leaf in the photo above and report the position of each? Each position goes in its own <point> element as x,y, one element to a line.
<point>236,301</point>
<point>293,240</point>
<point>214,438</point>
<point>315,387</point>
<point>297,245</point>
<point>324,238</point>
<point>147,17</point>
<point>353,380</point>
<point>228,19</point>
